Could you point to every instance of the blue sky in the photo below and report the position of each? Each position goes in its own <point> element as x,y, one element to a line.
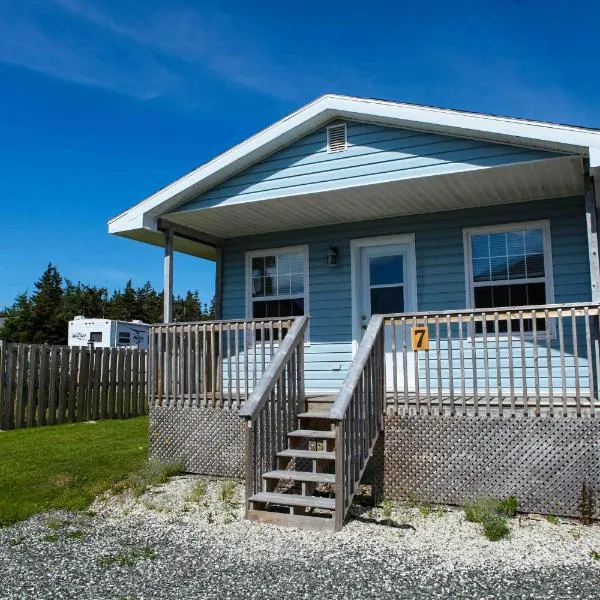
<point>103,102</point>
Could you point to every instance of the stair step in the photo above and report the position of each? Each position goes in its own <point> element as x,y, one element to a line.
<point>310,454</point>
<point>301,476</point>
<point>314,434</point>
<point>316,523</point>
<point>294,500</point>
<point>317,414</point>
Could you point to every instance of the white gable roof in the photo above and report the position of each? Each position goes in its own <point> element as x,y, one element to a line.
<point>140,221</point>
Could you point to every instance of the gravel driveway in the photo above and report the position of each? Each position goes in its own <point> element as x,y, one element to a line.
<point>160,546</point>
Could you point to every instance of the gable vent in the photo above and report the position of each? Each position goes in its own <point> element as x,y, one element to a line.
<point>336,138</point>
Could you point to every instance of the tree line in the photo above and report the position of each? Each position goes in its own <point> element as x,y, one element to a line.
<point>42,317</point>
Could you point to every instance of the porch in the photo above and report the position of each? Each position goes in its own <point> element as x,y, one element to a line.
<point>506,362</point>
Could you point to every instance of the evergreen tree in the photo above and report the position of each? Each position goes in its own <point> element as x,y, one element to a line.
<point>18,325</point>
<point>81,299</point>
<point>43,317</point>
<point>47,324</point>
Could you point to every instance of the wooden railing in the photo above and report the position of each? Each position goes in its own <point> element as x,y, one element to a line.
<point>211,363</point>
<point>537,360</point>
<point>273,406</point>
<point>45,385</point>
<point>358,413</point>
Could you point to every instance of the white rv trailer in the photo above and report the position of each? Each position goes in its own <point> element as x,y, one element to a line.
<point>107,333</point>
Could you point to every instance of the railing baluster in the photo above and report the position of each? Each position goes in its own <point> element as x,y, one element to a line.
<point>229,373</point>
<point>461,354</point>
<point>450,364</point>
<point>536,360</point>
<point>238,388</point>
<point>189,362</point>
<point>511,364</point>
<point>415,354</point>
<point>213,364</point>
<point>549,364</point>
<point>405,365</point>
<point>596,392</point>
<point>498,365</point>
<point>197,365</point>
<point>486,370</point>
<point>427,372</point>
<point>523,363</point>
<point>438,365</point>
<point>576,362</point>
<point>473,326</point>
<point>588,345</point>
<point>563,373</point>
<point>392,323</point>
<point>204,368</point>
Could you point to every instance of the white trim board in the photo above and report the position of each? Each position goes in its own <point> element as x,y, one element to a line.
<point>356,245</point>
<point>304,248</point>
<point>544,225</point>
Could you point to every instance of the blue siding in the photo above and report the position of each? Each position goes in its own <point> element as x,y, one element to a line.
<point>440,269</point>
<point>375,154</point>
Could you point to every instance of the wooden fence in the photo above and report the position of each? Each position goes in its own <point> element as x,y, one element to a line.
<point>44,385</point>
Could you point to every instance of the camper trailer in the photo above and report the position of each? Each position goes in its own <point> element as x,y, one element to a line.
<point>107,333</point>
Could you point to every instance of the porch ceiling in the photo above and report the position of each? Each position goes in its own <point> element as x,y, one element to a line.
<point>550,178</point>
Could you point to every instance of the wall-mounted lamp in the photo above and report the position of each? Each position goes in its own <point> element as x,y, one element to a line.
<point>332,256</point>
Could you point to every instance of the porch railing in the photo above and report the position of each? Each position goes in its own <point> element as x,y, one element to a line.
<point>213,364</point>
<point>537,360</point>
<point>358,413</point>
<point>273,406</point>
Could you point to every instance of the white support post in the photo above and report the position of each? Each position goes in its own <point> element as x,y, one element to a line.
<point>592,235</point>
<point>168,274</point>
<point>218,282</point>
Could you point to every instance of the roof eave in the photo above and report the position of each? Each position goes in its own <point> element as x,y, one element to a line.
<point>143,215</point>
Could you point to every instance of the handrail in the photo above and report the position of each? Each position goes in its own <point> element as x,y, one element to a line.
<point>267,382</point>
<point>342,401</point>
<point>358,415</point>
<point>273,406</point>
<point>491,313</point>
<point>223,321</point>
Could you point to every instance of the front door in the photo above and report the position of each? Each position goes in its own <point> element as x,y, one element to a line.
<point>387,285</point>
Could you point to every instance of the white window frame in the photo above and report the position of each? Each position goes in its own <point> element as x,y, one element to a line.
<point>470,285</point>
<point>276,252</point>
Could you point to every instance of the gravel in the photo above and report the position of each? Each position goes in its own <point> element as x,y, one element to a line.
<point>162,546</point>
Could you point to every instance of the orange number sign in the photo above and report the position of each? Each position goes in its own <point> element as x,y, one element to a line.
<point>420,338</point>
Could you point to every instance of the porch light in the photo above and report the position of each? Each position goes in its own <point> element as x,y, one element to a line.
<point>332,256</point>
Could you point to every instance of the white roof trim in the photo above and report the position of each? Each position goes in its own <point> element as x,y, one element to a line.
<point>549,136</point>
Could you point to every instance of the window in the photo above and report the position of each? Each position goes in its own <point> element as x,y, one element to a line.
<point>124,338</point>
<point>96,337</point>
<point>277,282</point>
<point>510,266</point>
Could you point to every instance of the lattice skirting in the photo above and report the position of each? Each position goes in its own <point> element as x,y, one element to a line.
<point>541,461</point>
<point>209,441</point>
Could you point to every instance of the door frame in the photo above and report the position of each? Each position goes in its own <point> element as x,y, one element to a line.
<point>356,245</point>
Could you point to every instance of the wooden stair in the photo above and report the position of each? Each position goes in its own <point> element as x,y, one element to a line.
<point>299,493</point>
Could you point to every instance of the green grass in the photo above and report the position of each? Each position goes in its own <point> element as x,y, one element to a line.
<point>66,466</point>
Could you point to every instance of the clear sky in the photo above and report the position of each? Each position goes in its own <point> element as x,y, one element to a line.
<point>104,101</point>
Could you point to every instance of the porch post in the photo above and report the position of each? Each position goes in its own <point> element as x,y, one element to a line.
<point>218,281</point>
<point>592,235</point>
<point>168,274</point>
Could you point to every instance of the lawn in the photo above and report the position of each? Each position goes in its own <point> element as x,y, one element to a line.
<point>66,466</point>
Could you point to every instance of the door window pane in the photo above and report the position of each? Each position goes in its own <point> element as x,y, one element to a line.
<point>385,270</point>
<point>387,300</point>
